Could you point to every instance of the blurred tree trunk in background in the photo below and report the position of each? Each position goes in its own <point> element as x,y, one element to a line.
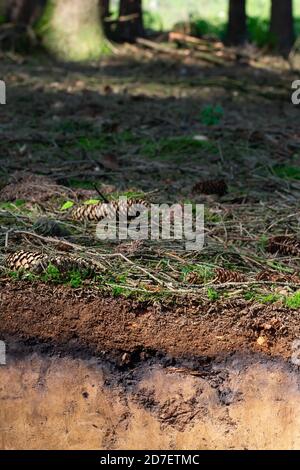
<point>130,25</point>
<point>104,4</point>
<point>282,25</point>
<point>237,22</point>
<point>23,11</point>
<point>105,14</point>
<point>73,30</point>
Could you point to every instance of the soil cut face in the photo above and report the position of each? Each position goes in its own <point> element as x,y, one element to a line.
<point>85,321</point>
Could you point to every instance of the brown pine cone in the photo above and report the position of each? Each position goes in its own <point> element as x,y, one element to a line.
<point>215,186</point>
<point>225,275</point>
<point>27,261</point>
<point>270,276</point>
<point>193,278</point>
<point>284,245</point>
<point>38,262</point>
<point>91,212</point>
<point>97,212</point>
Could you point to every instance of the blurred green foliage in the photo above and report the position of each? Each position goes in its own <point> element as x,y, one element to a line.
<point>211,115</point>
<point>210,18</point>
<point>287,172</point>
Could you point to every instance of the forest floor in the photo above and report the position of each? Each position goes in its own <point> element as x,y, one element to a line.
<point>165,128</point>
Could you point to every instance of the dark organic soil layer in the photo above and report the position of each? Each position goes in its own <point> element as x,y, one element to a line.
<point>77,321</point>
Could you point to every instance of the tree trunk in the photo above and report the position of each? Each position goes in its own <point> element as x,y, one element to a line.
<point>130,24</point>
<point>104,4</point>
<point>73,29</point>
<point>282,25</point>
<point>237,23</point>
<point>25,12</point>
<point>105,14</point>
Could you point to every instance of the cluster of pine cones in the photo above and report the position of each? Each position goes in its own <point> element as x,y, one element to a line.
<point>222,276</point>
<point>38,262</point>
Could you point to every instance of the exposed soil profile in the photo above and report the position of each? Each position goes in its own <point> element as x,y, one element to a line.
<point>114,374</point>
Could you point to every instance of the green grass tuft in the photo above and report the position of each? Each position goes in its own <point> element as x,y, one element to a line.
<point>287,172</point>
<point>212,294</point>
<point>293,301</point>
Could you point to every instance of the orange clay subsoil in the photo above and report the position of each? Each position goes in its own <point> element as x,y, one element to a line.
<point>123,331</point>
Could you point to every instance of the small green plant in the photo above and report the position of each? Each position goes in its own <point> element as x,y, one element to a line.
<point>94,143</point>
<point>211,217</point>
<point>263,241</point>
<point>15,275</point>
<point>205,273</point>
<point>250,295</point>
<point>212,294</point>
<point>293,301</point>
<point>281,268</point>
<point>121,278</point>
<point>287,172</point>
<point>12,206</point>
<point>126,136</point>
<point>75,279</point>
<point>19,202</point>
<point>269,298</point>
<point>118,291</point>
<point>22,275</point>
<point>211,115</point>
<point>52,273</point>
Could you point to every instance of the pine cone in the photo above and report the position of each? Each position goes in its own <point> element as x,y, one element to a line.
<point>225,275</point>
<point>97,212</point>
<point>38,262</point>
<point>270,276</point>
<point>193,278</point>
<point>27,260</point>
<point>284,245</point>
<point>218,187</point>
<point>94,212</point>
<point>73,263</point>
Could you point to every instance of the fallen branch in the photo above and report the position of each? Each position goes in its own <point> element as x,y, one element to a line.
<point>206,56</point>
<point>160,47</point>
<point>186,38</point>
